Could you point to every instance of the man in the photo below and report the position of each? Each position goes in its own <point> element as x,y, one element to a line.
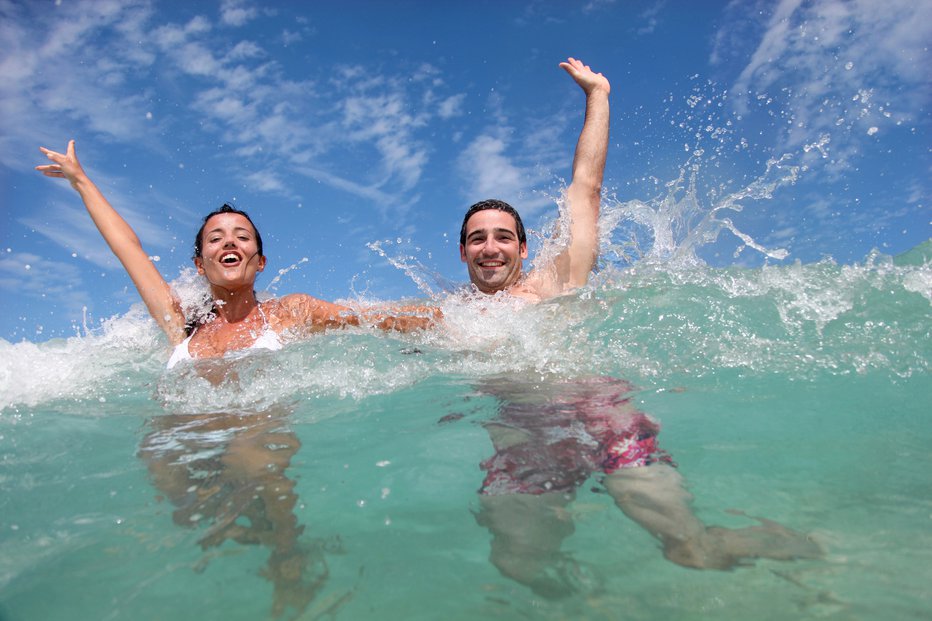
<point>550,436</point>
<point>493,243</point>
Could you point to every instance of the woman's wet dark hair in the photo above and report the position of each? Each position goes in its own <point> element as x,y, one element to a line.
<point>500,206</point>
<point>198,241</point>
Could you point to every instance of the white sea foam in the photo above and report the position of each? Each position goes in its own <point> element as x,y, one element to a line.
<point>80,367</point>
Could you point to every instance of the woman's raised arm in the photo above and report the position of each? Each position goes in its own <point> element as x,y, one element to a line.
<point>122,240</point>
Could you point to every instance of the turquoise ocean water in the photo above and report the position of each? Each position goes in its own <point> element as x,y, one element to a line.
<point>337,479</point>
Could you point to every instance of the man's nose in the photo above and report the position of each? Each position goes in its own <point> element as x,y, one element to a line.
<point>489,247</point>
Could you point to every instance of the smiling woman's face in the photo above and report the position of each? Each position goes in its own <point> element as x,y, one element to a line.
<point>229,252</point>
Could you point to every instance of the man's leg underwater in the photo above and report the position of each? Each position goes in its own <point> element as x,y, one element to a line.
<point>654,497</point>
<point>527,533</point>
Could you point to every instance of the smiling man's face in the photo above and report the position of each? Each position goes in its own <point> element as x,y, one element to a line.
<point>492,252</point>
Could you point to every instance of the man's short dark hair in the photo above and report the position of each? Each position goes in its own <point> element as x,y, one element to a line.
<point>500,206</point>
<point>199,242</point>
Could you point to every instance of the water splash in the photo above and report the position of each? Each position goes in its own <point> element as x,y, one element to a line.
<point>674,226</point>
<point>428,281</point>
<point>273,285</point>
<point>194,295</point>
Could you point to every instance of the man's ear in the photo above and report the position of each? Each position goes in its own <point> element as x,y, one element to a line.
<point>462,253</point>
<point>199,264</point>
<point>523,250</point>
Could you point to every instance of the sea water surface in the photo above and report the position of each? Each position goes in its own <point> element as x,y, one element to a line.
<point>338,478</point>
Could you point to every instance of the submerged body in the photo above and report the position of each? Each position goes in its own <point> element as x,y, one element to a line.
<point>240,489</point>
<point>568,430</point>
<point>544,451</point>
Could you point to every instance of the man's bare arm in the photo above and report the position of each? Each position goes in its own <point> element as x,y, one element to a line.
<point>572,267</point>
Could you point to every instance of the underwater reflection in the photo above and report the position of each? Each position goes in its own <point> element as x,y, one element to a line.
<point>550,436</point>
<point>227,471</point>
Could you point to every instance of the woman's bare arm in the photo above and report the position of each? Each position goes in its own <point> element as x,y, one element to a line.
<point>123,241</point>
<point>303,314</point>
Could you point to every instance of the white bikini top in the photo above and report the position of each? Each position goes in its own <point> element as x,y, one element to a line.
<point>269,339</point>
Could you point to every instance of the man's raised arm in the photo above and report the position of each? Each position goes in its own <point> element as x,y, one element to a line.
<point>575,263</point>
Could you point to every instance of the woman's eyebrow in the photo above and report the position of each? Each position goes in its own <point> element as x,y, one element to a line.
<point>219,229</point>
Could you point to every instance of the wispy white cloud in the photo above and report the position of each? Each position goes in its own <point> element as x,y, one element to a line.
<point>267,181</point>
<point>66,222</point>
<point>57,283</point>
<point>236,12</point>
<point>489,171</point>
<point>74,230</point>
<point>249,101</point>
<point>595,5</point>
<point>451,106</point>
<point>840,67</point>
<point>55,71</point>
<point>118,53</point>
<point>245,49</point>
<point>172,35</point>
<point>651,17</point>
<point>520,161</point>
<point>302,124</point>
<point>385,121</point>
<point>379,197</point>
<point>289,37</point>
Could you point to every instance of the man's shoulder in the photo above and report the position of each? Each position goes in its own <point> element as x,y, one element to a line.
<point>539,285</point>
<point>526,291</point>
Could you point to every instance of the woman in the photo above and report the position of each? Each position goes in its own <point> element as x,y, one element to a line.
<point>228,252</point>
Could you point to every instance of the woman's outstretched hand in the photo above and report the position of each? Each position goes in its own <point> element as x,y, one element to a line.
<point>64,165</point>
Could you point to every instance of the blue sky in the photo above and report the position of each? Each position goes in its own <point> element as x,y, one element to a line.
<point>337,125</point>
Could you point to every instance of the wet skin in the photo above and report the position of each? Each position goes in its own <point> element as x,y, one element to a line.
<point>230,256</point>
<point>492,253</point>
